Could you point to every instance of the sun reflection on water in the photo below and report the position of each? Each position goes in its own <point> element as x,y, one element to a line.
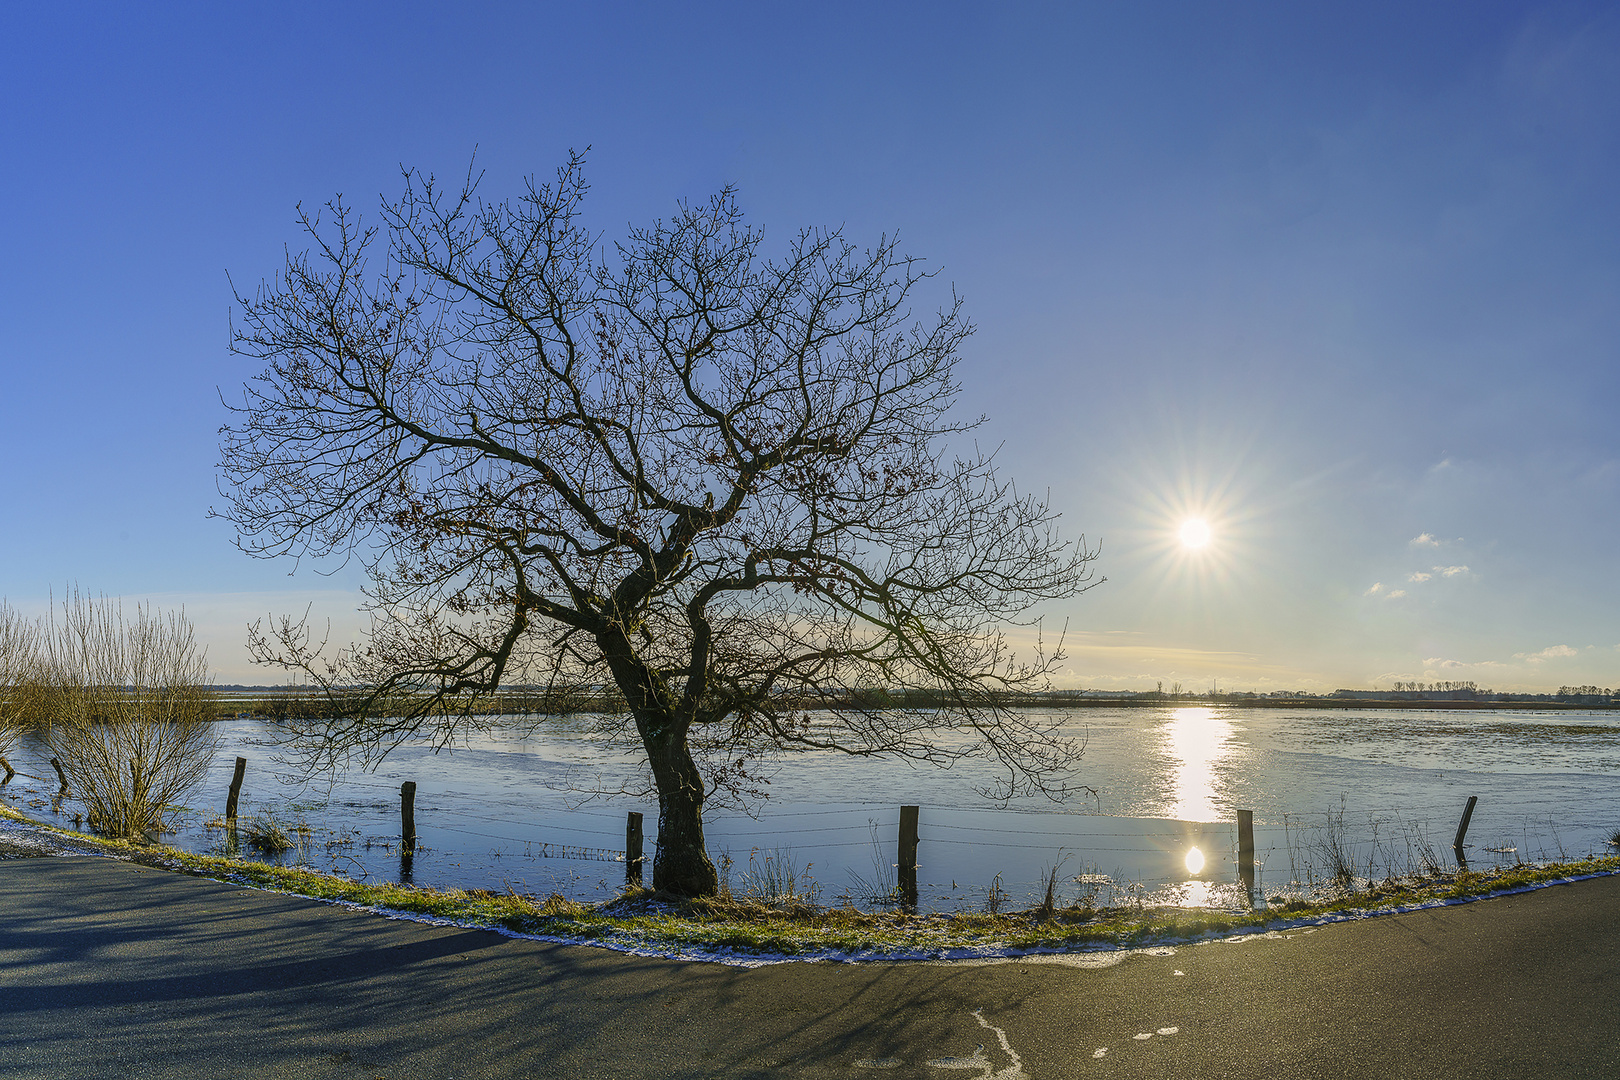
<point>1196,738</point>
<point>1192,894</point>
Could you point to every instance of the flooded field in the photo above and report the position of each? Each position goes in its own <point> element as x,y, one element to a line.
<point>1333,792</point>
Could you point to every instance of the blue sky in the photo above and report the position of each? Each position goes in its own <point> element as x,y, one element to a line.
<point>1346,283</point>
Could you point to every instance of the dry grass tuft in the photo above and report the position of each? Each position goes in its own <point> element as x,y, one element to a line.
<point>266,835</point>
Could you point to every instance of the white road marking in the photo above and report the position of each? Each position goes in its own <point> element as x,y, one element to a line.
<point>1144,1035</point>
<point>979,1060</point>
<point>1099,1052</point>
<point>879,1063</point>
<point>1014,1071</point>
<point>1168,1030</point>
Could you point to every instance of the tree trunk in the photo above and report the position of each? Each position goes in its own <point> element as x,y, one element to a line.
<point>682,864</point>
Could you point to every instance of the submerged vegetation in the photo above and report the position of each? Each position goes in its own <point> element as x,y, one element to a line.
<point>265,834</point>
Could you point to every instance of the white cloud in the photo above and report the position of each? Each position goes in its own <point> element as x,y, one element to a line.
<point>1420,576</point>
<point>1395,595</point>
<point>1450,571</point>
<point>1378,587</point>
<point>1551,652</point>
<point>1433,665</point>
<point>1424,540</point>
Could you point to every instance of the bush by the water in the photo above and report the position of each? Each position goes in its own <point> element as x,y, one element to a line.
<point>126,708</point>
<point>19,662</point>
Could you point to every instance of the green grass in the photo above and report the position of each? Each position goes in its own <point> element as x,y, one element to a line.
<point>646,920</point>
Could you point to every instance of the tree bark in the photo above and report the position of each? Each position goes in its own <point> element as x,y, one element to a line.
<point>681,865</point>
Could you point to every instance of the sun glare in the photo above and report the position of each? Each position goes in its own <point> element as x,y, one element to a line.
<point>1194,533</point>
<point>1195,861</point>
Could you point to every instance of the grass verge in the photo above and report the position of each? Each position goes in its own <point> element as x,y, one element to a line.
<point>645,921</point>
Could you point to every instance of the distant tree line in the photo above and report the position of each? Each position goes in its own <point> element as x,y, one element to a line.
<point>299,703</point>
<point>1434,687</point>
<point>1584,691</point>
<point>293,703</point>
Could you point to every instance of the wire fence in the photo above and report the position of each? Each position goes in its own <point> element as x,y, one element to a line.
<point>965,857</point>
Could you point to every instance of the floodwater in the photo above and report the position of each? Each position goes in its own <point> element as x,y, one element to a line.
<point>541,807</point>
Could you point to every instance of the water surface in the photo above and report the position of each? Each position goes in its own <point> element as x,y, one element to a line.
<point>542,808</point>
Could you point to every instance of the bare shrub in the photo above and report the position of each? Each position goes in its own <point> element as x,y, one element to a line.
<point>129,711</point>
<point>19,674</point>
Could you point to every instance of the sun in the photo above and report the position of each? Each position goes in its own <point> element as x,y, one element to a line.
<point>1194,533</point>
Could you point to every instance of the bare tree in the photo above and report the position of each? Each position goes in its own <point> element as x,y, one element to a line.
<point>129,710</point>
<point>717,480</point>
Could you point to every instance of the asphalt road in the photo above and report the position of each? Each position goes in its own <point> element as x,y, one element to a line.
<point>110,970</point>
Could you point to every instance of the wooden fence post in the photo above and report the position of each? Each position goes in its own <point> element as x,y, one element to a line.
<point>908,857</point>
<point>1245,825</point>
<point>407,813</point>
<point>10,772</point>
<point>60,775</point>
<point>236,789</point>
<point>1462,831</point>
<point>632,849</point>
